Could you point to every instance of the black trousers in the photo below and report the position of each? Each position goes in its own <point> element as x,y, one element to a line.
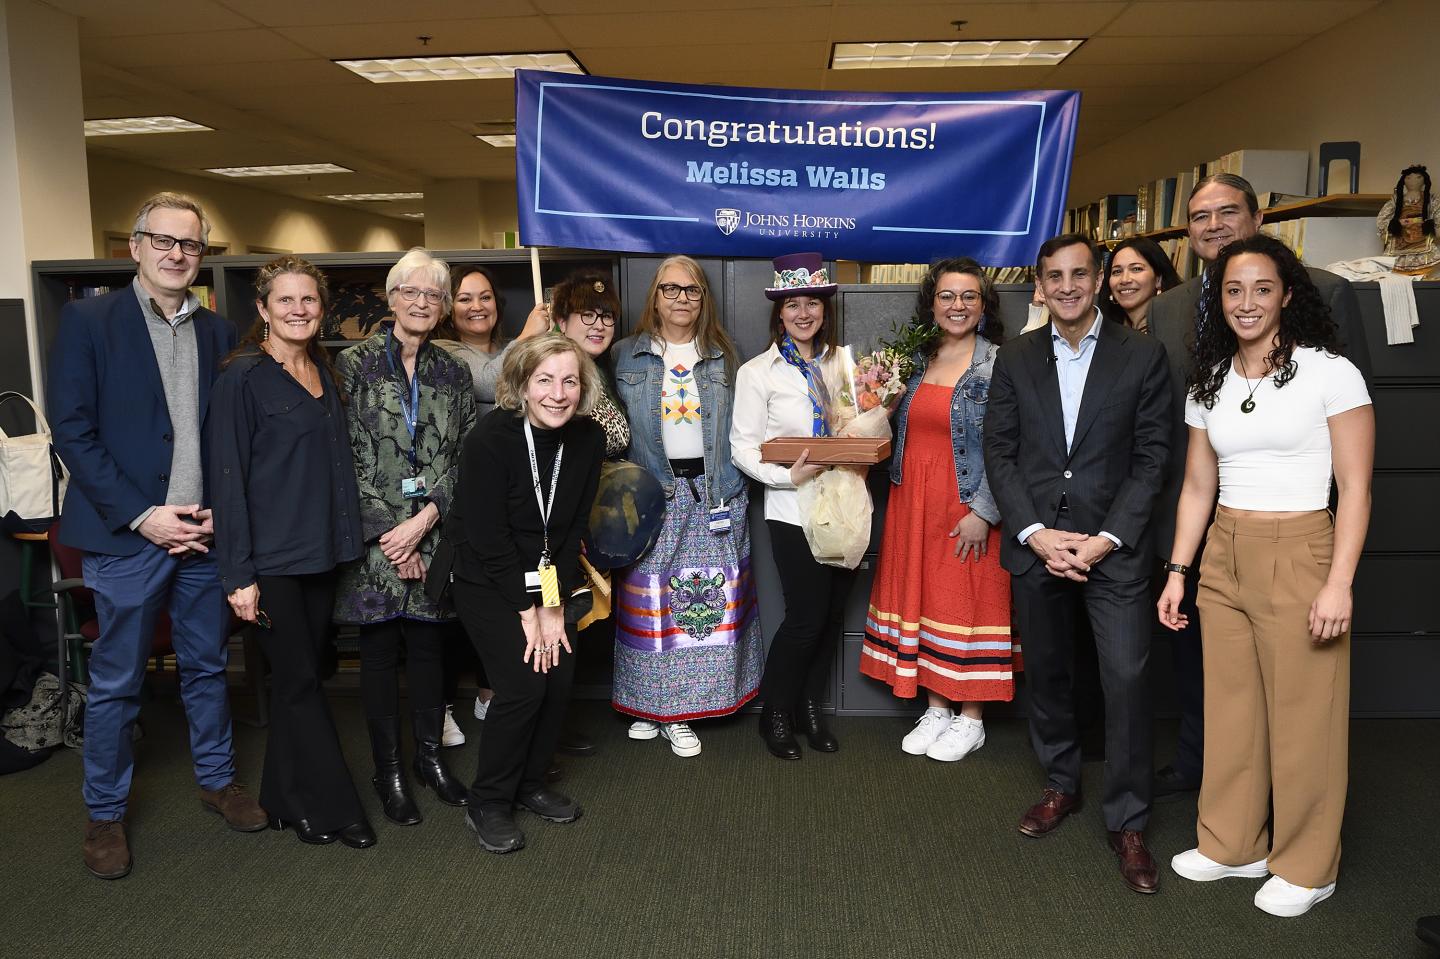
<point>380,659</point>
<point>460,657</point>
<point>523,724</point>
<point>803,648</point>
<point>1189,663</point>
<point>1120,614</point>
<point>305,776</point>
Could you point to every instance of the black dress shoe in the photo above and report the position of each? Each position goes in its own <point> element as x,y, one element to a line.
<point>810,721</point>
<point>304,832</point>
<point>1171,786</point>
<point>775,730</point>
<point>575,743</point>
<point>551,805</point>
<point>495,828</point>
<point>553,774</point>
<point>358,835</point>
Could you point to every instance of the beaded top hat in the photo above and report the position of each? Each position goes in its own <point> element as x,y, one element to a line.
<point>800,274</point>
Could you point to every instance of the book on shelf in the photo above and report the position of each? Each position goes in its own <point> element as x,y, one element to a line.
<point>82,291</point>
<point>1321,240</point>
<point>1284,171</point>
<point>1143,206</point>
<point>1184,183</point>
<point>1274,198</point>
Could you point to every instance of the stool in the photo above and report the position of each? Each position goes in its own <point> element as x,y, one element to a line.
<point>30,545</point>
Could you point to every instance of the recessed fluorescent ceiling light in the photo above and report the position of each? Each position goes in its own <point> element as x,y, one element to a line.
<point>414,216</point>
<point>284,169</point>
<point>476,66</point>
<point>950,53</point>
<point>497,140</point>
<point>373,197</point>
<point>123,126</point>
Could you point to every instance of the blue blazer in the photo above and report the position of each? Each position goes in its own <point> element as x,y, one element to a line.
<point>107,411</point>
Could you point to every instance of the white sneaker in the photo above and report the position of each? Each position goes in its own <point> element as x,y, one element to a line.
<point>644,729</point>
<point>960,739</point>
<point>451,735</point>
<point>683,741</point>
<point>1280,898</point>
<point>1194,864</point>
<point>928,728</point>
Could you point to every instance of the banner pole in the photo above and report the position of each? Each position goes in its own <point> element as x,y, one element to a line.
<point>535,275</point>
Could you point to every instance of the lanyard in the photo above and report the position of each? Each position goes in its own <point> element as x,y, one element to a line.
<point>409,406</point>
<point>544,506</point>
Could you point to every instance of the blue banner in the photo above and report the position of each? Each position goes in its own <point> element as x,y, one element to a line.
<point>611,164</point>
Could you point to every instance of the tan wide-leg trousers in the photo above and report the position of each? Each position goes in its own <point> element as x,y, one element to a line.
<point>1277,707</point>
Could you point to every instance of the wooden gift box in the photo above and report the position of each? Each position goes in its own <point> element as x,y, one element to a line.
<point>826,450</point>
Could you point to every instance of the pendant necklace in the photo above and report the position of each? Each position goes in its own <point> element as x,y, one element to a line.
<point>1247,405</point>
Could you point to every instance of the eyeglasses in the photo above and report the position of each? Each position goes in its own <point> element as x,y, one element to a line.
<point>672,291</point>
<point>947,297</point>
<point>588,317</point>
<point>412,293</point>
<point>164,243</point>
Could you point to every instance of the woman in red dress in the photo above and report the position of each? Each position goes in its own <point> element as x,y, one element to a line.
<point>939,616</point>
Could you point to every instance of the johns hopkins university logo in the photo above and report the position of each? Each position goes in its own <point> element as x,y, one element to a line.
<point>727,219</point>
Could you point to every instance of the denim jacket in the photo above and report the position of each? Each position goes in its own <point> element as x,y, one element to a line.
<point>967,417</point>
<point>640,375</point>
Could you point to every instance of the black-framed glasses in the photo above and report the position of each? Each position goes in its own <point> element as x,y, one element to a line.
<point>412,293</point>
<point>164,242</point>
<point>968,297</point>
<point>672,291</point>
<point>588,317</point>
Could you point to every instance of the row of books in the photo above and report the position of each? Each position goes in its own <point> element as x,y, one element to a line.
<point>915,272</point>
<point>81,291</point>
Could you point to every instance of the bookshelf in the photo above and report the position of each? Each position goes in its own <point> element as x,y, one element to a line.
<point>1340,204</point>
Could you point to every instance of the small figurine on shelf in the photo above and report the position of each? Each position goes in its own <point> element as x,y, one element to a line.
<point>1407,223</point>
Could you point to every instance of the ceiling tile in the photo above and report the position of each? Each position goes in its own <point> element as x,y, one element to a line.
<point>106,18</point>
<point>1123,52</point>
<point>355,40</point>
<point>195,49</point>
<point>911,21</point>
<point>695,28</point>
<point>287,13</point>
<point>1079,76</point>
<point>1215,18</point>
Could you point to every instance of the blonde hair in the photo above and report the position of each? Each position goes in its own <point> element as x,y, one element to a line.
<point>522,359</point>
<point>710,335</point>
<point>419,259</point>
<point>171,201</point>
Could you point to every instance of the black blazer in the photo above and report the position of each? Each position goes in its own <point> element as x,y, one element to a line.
<point>1113,473</point>
<point>1172,322</point>
<point>111,423</point>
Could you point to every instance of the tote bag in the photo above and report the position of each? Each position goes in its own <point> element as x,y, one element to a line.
<point>32,478</point>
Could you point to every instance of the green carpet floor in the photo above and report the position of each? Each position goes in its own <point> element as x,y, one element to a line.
<point>866,853</point>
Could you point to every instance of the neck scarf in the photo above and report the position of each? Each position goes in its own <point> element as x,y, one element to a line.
<point>814,386</point>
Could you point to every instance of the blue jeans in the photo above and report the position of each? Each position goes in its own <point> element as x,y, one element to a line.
<point>130,593</point>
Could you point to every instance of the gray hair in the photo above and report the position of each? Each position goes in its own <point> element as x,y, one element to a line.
<point>419,259</point>
<point>171,201</point>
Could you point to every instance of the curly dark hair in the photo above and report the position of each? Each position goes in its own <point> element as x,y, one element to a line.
<point>1304,322</point>
<point>992,324</point>
<point>1427,225</point>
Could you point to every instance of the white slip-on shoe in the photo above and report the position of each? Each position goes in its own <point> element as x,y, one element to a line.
<point>643,729</point>
<point>683,741</point>
<point>1280,898</point>
<point>482,706</point>
<point>961,738</point>
<point>1194,864</point>
<point>928,728</point>
<point>451,735</point>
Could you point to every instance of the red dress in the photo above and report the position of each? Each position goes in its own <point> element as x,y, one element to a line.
<point>935,622</point>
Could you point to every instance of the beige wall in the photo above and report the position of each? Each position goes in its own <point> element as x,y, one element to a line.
<point>242,217</point>
<point>466,214</point>
<point>1371,79</point>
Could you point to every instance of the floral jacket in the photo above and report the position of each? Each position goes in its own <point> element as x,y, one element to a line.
<point>368,590</point>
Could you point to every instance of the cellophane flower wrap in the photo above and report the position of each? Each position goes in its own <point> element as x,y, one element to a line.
<point>835,506</point>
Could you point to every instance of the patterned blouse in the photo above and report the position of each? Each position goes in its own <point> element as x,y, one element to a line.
<point>611,418</point>
<point>369,590</point>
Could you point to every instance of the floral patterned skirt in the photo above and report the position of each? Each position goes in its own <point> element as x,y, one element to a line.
<point>687,630</point>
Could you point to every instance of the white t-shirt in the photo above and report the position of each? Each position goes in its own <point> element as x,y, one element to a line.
<point>1276,458</point>
<point>680,431</point>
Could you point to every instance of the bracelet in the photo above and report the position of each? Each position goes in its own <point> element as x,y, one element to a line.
<point>1177,568</point>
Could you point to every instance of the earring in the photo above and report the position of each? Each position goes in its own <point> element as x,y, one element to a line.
<point>265,333</point>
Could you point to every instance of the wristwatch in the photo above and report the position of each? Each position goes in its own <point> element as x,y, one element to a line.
<point>1177,568</point>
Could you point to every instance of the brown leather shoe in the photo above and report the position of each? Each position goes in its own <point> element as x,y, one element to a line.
<point>107,854</point>
<point>1137,867</point>
<point>1042,818</point>
<point>241,812</point>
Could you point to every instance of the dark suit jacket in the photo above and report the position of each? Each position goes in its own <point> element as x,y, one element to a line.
<point>1172,322</point>
<point>1115,468</point>
<point>107,410</point>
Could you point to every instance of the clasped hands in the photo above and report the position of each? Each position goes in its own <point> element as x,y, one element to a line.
<point>166,528</point>
<point>401,544</point>
<point>1069,555</point>
<point>544,628</point>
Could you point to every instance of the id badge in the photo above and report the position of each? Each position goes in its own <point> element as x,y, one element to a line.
<point>549,586</point>
<point>720,519</point>
<point>414,487</point>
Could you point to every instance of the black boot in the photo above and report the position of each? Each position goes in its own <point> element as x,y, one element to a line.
<point>810,721</point>
<point>775,730</point>
<point>429,768</point>
<point>389,778</point>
